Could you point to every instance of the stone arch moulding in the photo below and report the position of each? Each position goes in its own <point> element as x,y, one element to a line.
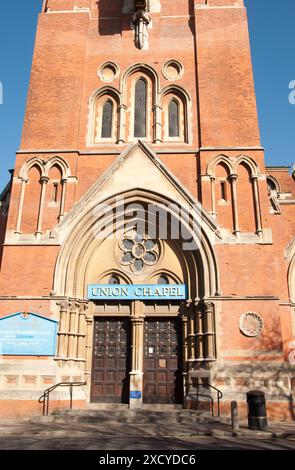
<point>114,272</point>
<point>23,177</point>
<point>186,100</point>
<point>165,272</point>
<point>247,161</point>
<point>45,166</point>
<point>61,164</point>
<point>220,159</point>
<point>26,167</point>
<point>275,182</point>
<point>92,109</point>
<point>81,243</point>
<point>145,70</point>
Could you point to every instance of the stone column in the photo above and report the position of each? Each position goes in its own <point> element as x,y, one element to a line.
<point>62,199</point>
<point>122,124</point>
<point>44,180</point>
<point>73,330</point>
<point>63,331</point>
<point>213,200</point>
<point>81,343</point>
<point>192,337</point>
<point>233,180</point>
<point>136,374</point>
<point>209,331</point>
<point>157,125</point>
<point>21,206</point>
<point>89,342</point>
<point>199,332</point>
<point>258,219</point>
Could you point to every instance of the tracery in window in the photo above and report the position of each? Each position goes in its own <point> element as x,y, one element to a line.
<point>138,251</point>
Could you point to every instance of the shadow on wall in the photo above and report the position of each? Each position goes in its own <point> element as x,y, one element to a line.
<point>277,382</point>
<point>110,19</point>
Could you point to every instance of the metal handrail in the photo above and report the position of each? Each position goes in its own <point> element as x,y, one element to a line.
<point>211,401</point>
<point>209,397</point>
<point>46,394</point>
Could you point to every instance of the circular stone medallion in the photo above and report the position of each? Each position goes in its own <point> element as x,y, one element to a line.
<point>251,324</point>
<point>108,72</point>
<point>173,70</point>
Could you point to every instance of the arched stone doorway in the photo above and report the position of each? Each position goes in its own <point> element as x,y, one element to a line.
<point>99,247</point>
<point>138,351</point>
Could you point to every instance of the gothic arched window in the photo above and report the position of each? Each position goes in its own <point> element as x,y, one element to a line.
<point>173,114</point>
<point>114,280</point>
<point>163,279</point>
<point>140,108</point>
<point>107,120</point>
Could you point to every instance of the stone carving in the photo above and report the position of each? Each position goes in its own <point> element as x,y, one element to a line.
<point>173,70</point>
<point>141,21</point>
<point>251,324</point>
<point>108,72</point>
<point>138,251</point>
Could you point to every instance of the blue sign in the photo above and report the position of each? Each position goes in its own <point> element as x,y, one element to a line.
<point>27,334</point>
<point>136,395</point>
<point>137,292</point>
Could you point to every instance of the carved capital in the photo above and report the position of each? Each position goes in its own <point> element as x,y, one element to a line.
<point>64,305</point>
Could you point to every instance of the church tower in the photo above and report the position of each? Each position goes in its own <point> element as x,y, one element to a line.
<point>142,220</point>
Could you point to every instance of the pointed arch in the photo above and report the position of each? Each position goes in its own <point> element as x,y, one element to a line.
<point>248,162</point>
<point>26,167</point>
<point>225,160</point>
<point>176,93</point>
<point>95,116</point>
<point>144,69</point>
<point>60,163</point>
<point>200,263</point>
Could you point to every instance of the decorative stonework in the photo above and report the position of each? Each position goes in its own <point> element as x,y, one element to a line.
<point>108,72</point>
<point>251,324</point>
<point>173,70</point>
<point>138,251</point>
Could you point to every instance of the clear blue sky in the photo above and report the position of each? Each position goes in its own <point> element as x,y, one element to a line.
<point>272,39</point>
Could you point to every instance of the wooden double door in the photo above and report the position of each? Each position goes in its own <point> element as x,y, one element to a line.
<point>162,361</point>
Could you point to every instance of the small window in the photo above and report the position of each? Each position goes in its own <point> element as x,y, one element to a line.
<point>114,280</point>
<point>55,192</point>
<point>271,186</point>
<point>223,192</point>
<point>173,112</point>
<point>107,120</point>
<point>163,279</point>
<point>140,104</point>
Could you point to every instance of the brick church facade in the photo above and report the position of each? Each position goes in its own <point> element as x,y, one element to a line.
<point>140,107</point>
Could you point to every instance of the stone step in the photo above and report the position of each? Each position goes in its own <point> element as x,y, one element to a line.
<point>122,417</point>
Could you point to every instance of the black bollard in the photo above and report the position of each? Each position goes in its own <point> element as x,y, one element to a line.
<point>257,419</point>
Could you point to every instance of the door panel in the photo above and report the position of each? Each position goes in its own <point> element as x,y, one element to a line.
<point>163,361</point>
<point>111,360</point>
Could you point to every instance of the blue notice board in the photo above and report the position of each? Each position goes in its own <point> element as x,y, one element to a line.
<point>27,334</point>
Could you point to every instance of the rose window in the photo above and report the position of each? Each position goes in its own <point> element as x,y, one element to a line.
<point>138,252</point>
